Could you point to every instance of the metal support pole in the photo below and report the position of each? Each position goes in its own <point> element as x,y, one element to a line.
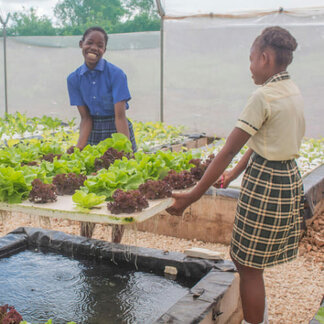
<point>4,24</point>
<point>162,14</point>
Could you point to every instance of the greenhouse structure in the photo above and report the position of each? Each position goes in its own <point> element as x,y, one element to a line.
<point>91,235</point>
<point>195,72</point>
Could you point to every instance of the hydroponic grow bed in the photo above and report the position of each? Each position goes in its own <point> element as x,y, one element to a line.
<point>65,208</point>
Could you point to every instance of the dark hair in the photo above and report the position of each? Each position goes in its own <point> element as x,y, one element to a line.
<point>281,41</point>
<point>95,28</point>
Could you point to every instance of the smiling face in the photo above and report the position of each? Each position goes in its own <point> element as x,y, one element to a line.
<point>93,48</point>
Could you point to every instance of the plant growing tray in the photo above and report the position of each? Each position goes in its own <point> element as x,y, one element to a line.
<point>65,208</point>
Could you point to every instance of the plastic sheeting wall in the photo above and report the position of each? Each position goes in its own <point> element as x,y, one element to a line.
<point>37,68</point>
<point>206,69</point>
<point>176,8</point>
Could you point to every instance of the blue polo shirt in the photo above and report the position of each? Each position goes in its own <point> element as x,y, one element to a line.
<point>98,89</point>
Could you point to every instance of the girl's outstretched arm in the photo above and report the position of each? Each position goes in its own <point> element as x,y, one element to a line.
<point>85,126</point>
<point>120,118</point>
<point>230,175</point>
<point>234,143</point>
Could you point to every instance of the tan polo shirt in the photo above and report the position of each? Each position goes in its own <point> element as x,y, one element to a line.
<point>274,117</point>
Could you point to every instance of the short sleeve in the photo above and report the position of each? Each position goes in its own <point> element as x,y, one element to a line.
<point>120,91</point>
<point>254,114</point>
<point>74,90</point>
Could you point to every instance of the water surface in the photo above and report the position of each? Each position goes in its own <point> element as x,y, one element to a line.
<point>47,285</point>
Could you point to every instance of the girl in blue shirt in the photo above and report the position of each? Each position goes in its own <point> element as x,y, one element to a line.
<point>99,89</point>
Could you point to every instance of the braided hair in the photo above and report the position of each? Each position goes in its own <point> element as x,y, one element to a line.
<point>281,41</point>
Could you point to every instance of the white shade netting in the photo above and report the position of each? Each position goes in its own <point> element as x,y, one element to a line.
<point>37,68</point>
<point>206,66</point>
<point>206,77</point>
<point>182,8</point>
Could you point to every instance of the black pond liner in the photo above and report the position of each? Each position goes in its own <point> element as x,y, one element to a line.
<point>212,278</point>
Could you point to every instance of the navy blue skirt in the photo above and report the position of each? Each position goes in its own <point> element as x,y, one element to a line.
<point>103,127</point>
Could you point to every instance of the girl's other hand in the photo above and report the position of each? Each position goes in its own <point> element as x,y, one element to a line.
<point>70,150</point>
<point>181,202</point>
<point>224,180</point>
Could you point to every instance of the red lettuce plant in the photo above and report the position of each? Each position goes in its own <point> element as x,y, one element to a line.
<point>158,189</point>
<point>127,202</point>
<point>50,157</point>
<point>109,157</point>
<point>41,192</point>
<point>68,183</point>
<point>200,167</point>
<point>181,180</point>
<point>8,315</point>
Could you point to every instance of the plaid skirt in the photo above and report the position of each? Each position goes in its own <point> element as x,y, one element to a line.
<point>103,127</point>
<point>269,214</point>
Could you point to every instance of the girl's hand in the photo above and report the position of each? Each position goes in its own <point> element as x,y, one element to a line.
<point>181,202</point>
<point>224,180</point>
<point>70,150</point>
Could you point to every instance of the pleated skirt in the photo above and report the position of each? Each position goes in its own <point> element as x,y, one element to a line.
<point>103,127</point>
<point>269,214</point>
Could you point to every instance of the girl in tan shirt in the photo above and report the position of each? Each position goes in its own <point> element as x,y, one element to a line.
<point>270,207</point>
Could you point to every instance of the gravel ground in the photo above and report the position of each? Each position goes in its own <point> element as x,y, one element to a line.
<point>294,290</point>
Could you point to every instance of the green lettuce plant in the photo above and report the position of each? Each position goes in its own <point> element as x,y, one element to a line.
<point>320,315</point>
<point>13,186</point>
<point>86,201</point>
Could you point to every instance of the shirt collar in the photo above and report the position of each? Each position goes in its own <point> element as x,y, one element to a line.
<point>99,67</point>
<point>283,75</point>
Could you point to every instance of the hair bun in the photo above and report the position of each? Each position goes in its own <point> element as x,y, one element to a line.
<point>279,40</point>
<point>279,37</point>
